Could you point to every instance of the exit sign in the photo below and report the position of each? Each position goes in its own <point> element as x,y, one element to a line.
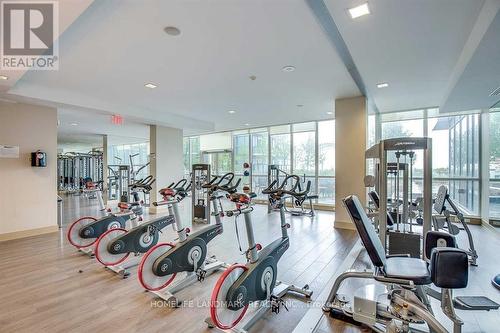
<point>116,119</point>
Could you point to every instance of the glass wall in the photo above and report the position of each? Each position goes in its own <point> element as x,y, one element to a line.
<point>455,154</point>
<point>120,155</point>
<point>191,148</point>
<point>494,167</point>
<point>241,155</point>
<point>281,147</point>
<point>305,149</point>
<point>260,159</point>
<point>326,161</point>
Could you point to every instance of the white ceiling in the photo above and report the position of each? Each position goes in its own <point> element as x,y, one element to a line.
<point>481,74</point>
<point>116,46</point>
<point>113,48</point>
<point>69,11</point>
<point>75,126</point>
<point>413,45</point>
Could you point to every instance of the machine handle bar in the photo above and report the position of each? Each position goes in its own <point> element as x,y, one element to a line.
<point>230,213</point>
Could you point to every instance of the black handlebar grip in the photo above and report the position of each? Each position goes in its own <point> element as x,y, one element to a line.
<point>269,189</point>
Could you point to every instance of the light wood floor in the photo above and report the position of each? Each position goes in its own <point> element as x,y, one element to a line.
<point>487,244</point>
<point>42,289</point>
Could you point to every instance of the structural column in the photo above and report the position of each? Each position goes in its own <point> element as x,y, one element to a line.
<point>167,159</point>
<point>350,146</point>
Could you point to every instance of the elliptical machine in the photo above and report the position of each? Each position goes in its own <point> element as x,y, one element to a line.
<point>161,263</point>
<point>114,246</point>
<point>255,281</point>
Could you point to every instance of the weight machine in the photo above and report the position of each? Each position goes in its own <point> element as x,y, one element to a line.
<point>200,197</point>
<point>74,169</point>
<point>402,239</point>
<point>122,176</point>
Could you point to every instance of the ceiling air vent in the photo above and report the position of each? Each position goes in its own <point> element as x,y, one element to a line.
<point>495,92</point>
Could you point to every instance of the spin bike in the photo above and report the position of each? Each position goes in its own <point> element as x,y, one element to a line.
<point>84,232</point>
<point>255,281</point>
<point>114,246</point>
<point>161,263</point>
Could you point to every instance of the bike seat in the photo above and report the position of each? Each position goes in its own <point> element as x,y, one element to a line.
<point>241,198</point>
<point>167,192</point>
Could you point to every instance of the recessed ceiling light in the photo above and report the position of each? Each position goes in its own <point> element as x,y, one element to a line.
<point>329,112</point>
<point>172,31</point>
<point>74,124</point>
<point>300,105</point>
<point>3,77</point>
<point>382,85</point>
<point>231,112</point>
<point>288,69</point>
<point>359,11</point>
<point>247,124</point>
<point>150,85</point>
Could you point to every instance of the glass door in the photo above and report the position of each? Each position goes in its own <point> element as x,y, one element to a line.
<point>220,162</point>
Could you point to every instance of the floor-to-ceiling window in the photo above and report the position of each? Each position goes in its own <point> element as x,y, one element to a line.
<point>259,138</point>
<point>494,164</point>
<point>281,147</point>
<point>136,155</point>
<point>304,153</point>
<point>326,161</point>
<point>187,157</point>
<point>192,155</point>
<point>455,158</point>
<point>306,149</point>
<point>455,153</point>
<point>405,124</point>
<point>241,155</point>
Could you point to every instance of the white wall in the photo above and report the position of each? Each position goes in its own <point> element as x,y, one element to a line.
<point>167,161</point>
<point>350,146</point>
<point>27,194</point>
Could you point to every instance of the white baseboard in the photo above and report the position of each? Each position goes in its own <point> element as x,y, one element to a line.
<point>344,225</point>
<point>28,233</point>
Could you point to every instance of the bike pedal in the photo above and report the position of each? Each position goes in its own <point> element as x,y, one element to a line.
<point>276,303</point>
<point>201,274</point>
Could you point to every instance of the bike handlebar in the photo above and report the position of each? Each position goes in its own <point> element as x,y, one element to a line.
<point>229,176</point>
<point>293,191</point>
<point>226,187</point>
